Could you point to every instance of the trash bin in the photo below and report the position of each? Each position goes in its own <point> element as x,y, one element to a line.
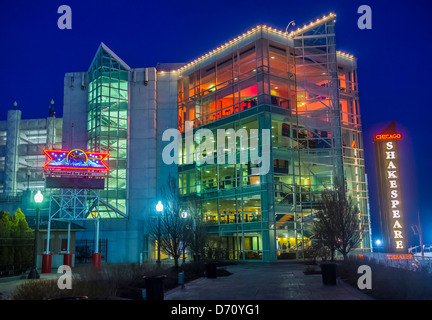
<point>155,287</point>
<point>328,271</point>
<point>181,278</point>
<point>211,270</point>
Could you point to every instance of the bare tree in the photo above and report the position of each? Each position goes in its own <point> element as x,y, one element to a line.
<point>169,228</point>
<point>337,225</point>
<point>196,228</point>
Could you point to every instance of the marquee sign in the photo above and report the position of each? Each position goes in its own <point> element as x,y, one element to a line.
<point>388,172</point>
<point>76,160</point>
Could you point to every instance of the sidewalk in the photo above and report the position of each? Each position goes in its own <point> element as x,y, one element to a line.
<point>265,281</point>
<point>282,280</point>
<point>9,284</point>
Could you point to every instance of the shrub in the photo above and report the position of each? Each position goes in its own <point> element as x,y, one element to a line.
<point>111,282</point>
<point>389,283</point>
<point>48,289</point>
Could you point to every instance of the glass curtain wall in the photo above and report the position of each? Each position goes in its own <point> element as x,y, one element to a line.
<point>220,89</point>
<point>108,125</point>
<point>225,94</point>
<point>308,141</point>
<point>352,140</point>
<point>289,86</point>
<point>231,198</point>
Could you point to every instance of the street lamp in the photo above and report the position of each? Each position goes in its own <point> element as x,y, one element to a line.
<point>184,215</point>
<point>291,22</point>
<point>38,198</point>
<point>378,244</point>
<point>159,209</point>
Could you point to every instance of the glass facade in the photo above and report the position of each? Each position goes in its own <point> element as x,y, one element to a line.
<point>294,87</point>
<point>33,135</point>
<point>352,144</point>
<point>108,96</point>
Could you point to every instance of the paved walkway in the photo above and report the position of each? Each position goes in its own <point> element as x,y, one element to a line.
<point>282,280</point>
<point>8,285</point>
<point>266,281</point>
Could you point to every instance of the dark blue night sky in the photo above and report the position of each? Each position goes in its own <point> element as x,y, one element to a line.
<point>393,60</point>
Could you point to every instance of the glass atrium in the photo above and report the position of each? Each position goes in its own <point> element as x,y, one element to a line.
<point>108,125</point>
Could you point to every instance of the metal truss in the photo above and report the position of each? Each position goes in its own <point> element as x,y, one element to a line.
<point>78,204</point>
<point>74,204</point>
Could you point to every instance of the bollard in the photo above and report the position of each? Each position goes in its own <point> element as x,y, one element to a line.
<point>96,260</point>
<point>67,259</point>
<point>46,262</point>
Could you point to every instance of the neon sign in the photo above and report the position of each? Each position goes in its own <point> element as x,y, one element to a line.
<point>392,169</point>
<point>75,160</point>
<point>391,136</point>
<point>389,189</point>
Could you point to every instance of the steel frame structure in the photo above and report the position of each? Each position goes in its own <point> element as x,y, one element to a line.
<point>70,205</point>
<point>76,204</point>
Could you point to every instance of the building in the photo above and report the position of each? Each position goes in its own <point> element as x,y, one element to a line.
<point>113,107</point>
<point>295,85</point>
<point>306,92</point>
<point>22,142</point>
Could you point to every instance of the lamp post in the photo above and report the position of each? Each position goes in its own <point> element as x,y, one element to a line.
<point>184,215</point>
<point>159,209</point>
<point>291,22</point>
<point>420,235</point>
<point>38,198</point>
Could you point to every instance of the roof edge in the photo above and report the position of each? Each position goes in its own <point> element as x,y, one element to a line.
<point>291,34</point>
<point>110,52</point>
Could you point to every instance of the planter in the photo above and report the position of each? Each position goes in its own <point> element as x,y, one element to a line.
<point>155,287</point>
<point>211,271</point>
<point>328,271</point>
